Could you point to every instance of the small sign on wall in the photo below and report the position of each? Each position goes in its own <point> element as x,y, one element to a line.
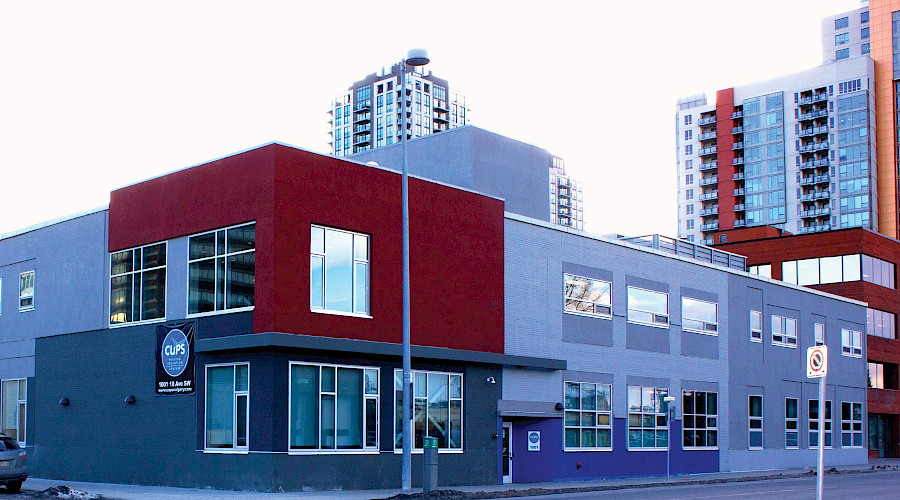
<point>175,358</point>
<point>534,440</point>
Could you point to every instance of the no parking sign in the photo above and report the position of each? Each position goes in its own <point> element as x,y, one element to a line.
<point>817,361</point>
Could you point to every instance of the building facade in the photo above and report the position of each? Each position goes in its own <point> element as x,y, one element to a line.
<point>368,115</point>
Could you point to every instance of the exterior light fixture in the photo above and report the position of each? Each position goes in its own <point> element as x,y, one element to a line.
<point>64,401</point>
<point>131,399</point>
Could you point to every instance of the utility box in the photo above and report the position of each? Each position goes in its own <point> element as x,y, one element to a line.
<point>430,462</point>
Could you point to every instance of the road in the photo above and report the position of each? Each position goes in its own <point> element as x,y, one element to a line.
<point>842,486</point>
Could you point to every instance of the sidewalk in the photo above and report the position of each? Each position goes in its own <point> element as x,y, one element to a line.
<point>136,492</point>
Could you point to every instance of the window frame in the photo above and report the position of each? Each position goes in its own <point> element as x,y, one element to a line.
<point>365,450</point>
<point>705,330</point>
<point>850,349</point>
<point>753,418</point>
<point>398,418</point>
<point>354,279</point>
<point>855,426</point>
<point>759,330</point>
<point>23,295</point>
<point>597,413</point>
<point>829,426</point>
<point>705,415</point>
<point>595,314</point>
<point>818,328</point>
<point>654,323</point>
<point>641,414</point>
<point>164,267</point>
<point>872,382</point>
<point>225,310</point>
<point>784,321</point>
<point>21,409</point>
<point>235,449</point>
<point>795,420</point>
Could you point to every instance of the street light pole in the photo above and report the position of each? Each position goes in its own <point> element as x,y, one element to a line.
<point>415,57</point>
<point>670,414</point>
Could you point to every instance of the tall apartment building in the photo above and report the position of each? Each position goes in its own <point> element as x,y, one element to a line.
<point>795,152</point>
<point>367,115</point>
<point>566,196</point>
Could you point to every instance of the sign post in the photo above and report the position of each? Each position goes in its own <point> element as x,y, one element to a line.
<point>817,367</point>
<point>430,462</point>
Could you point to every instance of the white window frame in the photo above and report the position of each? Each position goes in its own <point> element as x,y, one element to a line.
<point>654,323</point>
<point>138,273</point>
<point>818,334</point>
<point>366,450</point>
<point>852,427</point>
<point>756,334</point>
<point>596,304</point>
<point>581,411</point>
<point>851,343</point>
<point>829,428</point>
<point>706,328</point>
<point>226,309</point>
<point>711,419</point>
<point>235,449</point>
<point>462,410</point>
<point>781,335</point>
<point>354,280</point>
<point>656,415</point>
<point>25,296</point>
<point>760,419</point>
<point>21,408</point>
<point>792,420</point>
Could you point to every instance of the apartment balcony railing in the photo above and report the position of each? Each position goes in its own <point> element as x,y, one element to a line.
<point>707,136</point>
<point>706,121</point>
<point>712,195</point>
<point>737,145</point>
<point>709,165</point>
<point>815,195</point>
<point>737,114</point>
<point>740,222</point>
<point>690,250</point>
<point>738,161</point>
<point>815,179</point>
<point>739,192</point>
<point>738,176</point>
<point>817,212</point>
<point>708,151</point>
<point>709,211</point>
<point>737,130</point>
<point>812,115</point>
<point>815,228</point>
<point>710,227</point>
<point>709,181</point>
<point>739,207</point>
<point>813,131</point>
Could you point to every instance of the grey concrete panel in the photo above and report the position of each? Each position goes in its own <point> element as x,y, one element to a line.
<point>647,338</point>
<point>699,345</point>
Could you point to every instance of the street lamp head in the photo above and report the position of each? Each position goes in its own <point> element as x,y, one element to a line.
<point>417,57</point>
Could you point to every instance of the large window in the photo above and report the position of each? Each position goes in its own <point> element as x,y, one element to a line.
<point>700,412</point>
<point>137,284</point>
<point>333,407</point>
<point>227,406</point>
<point>784,331</point>
<point>764,270</point>
<point>875,373</point>
<point>221,269</point>
<point>699,316</point>
<point>12,409</point>
<point>756,331</point>
<point>880,324</point>
<point>26,291</point>
<point>851,343</point>
<point>648,307</point>
<point>588,418</point>
<point>814,423</point>
<point>755,416</point>
<point>647,418</point>
<point>851,424</point>
<point>791,423</point>
<point>437,409</point>
<point>588,296</point>
<point>339,271</point>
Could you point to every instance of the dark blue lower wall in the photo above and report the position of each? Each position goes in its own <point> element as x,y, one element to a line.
<point>554,464</point>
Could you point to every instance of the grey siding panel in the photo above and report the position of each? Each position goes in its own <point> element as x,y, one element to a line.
<point>699,345</point>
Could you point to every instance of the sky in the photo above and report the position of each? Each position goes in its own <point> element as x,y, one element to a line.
<point>98,95</point>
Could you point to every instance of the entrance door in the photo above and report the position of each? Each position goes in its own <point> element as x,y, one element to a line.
<point>881,437</point>
<point>507,452</point>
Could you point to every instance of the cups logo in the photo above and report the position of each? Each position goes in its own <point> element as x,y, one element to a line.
<point>174,353</point>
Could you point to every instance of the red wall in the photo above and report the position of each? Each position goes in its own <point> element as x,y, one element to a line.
<point>456,241</point>
<point>724,154</point>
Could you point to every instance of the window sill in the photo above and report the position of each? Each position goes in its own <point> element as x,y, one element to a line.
<point>341,313</point>
<point>701,332</point>
<point>647,449</point>
<point>333,452</point>
<point>851,355</point>
<point>588,315</point>
<point>216,451</point>
<point>756,448</point>
<point>652,325</point>
<point>136,323</point>
<point>781,344</point>
<point>700,448</point>
<point>758,341</point>
<point>419,451</point>
<point>223,311</point>
<point>26,309</point>
<point>574,450</point>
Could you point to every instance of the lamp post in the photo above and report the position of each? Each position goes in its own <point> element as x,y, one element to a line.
<point>415,57</point>
<point>670,414</point>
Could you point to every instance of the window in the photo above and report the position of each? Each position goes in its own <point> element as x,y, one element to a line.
<point>137,284</point>
<point>647,418</point>
<point>227,406</point>
<point>221,269</point>
<point>689,179</point>
<point>689,224</point>
<point>688,134</point>
<point>689,149</point>
<point>764,270</point>
<point>877,271</point>
<point>12,409</point>
<point>648,307</point>
<point>699,316</point>
<point>864,17</point>
<point>819,333</point>
<point>688,164</point>
<point>700,419</point>
<point>689,209</point>
<point>339,271</point>
<point>688,119</point>
<point>875,372</point>
<point>880,323</point>
<point>841,23</point>
<point>841,54</point>
<point>814,423</point>
<point>864,33</point>
<point>784,331</point>
<point>26,291</point>
<point>841,38</point>
<point>437,409</point>
<point>851,424</point>
<point>587,296</point>
<point>588,418</point>
<point>865,48</point>
<point>689,194</point>
<point>756,332</point>
<point>791,424</point>
<point>851,343</point>
<point>755,414</point>
<point>333,407</point>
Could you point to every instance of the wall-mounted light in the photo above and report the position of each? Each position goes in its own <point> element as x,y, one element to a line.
<point>64,401</point>
<point>558,406</point>
<point>131,399</point>
<point>491,380</point>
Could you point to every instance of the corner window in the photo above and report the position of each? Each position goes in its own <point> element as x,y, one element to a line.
<point>12,409</point>
<point>819,333</point>
<point>699,316</point>
<point>791,424</point>
<point>588,417</point>
<point>647,418</point>
<point>755,416</point>
<point>648,307</point>
<point>851,343</point>
<point>333,407</point>
<point>699,413</point>
<point>227,407</point>
<point>880,324</point>
<point>756,332</point>
<point>814,423</point>
<point>784,331</point>
<point>221,269</point>
<point>851,425</point>
<point>339,271</point>
<point>137,284</point>
<point>764,270</point>
<point>26,291</point>
<point>587,296</point>
<point>437,409</point>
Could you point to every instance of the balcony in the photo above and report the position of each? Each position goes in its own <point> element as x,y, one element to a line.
<point>740,222</point>
<point>815,228</point>
<point>738,161</point>
<point>362,117</point>
<point>714,226</point>
<point>361,129</point>
<point>708,136</point>
<point>709,165</point>
<point>739,192</point>
<point>440,105</point>
<point>737,114</point>
<point>815,212</point>
<point>811,131</point>
<point>815,195</point>
<point>739,207</point>
<point>707,151</point>
<point>709,181</point>
<point>440,117</point>
<point>815,179</point>
<point>812,115</point>
<point>706,121</point>
<point>712,195</point>
<point>362,140</point>
<point>709,211</point>
<point>738,176</point>
<point>737,145</point>
<point>737,130</point>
